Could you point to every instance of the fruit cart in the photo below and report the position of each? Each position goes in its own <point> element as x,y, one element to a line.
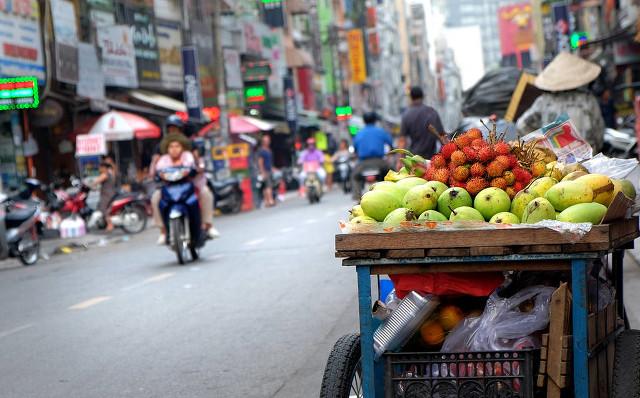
<point>352,371</point>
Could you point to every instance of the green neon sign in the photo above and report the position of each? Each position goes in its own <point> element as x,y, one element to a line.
<point>343,112</point>
<point>353,130</point>
<point>19,93</point>
<point>271,1</point>
<point>255,94</point>
<point>577,39</point>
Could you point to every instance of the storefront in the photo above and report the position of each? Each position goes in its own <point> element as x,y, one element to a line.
<point>13,166</point>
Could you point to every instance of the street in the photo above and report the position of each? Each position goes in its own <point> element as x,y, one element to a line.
<point>255,317</point>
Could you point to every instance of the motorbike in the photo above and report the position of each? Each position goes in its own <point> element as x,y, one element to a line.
<point>127,210</point>
<point>343,167</point>
<point>621,142</point>
<point>19,216</point>
<point>370,176</point>
<point>312,182</point>
<point>181,212</point>
<point>227,195</point>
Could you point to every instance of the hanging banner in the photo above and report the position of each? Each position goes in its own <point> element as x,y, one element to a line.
<point>90,145</point>
<point>192,90</point>
<point>118,56</point>
<point>232,68</point>
<point>145,42</point>
<point>21,41</point>
<point>66,40</point>
<point>273,50</point>
<point>201,37</point>
<point>90,77</point>
<point>169,43</point>
<point>356,56</point>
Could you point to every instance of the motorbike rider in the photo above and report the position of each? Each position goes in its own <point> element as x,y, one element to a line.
<point>311,159</point>
<point>370,144</point>
<point>175,132</point>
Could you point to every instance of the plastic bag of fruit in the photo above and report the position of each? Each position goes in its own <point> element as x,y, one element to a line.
<point>505,324</point>
<point>477,284</point>
<point>562,137</point>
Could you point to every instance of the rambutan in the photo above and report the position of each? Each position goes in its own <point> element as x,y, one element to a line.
<point>509,177</point>
<point>474,133</point>
<point>470,153</point>
<point>518,186</point>
<point>438,161</point>
<point>478,143</point>
<point>448,149</point>
<point>511,191</point>
<point>504,160</point>
<point>458,158</point>
<point>428,175</point>
<point>495,169</point>
<point>522,175</point>
<point>477,170</point>
<point>457,184</point>
<point>502,148</point>
<point>462,141</point>
<point>499,182</point>
<point>476,184</point>
<point>461,173</point>
<point>486,154</point>
<point>441,174</point>
<point>513,161</point>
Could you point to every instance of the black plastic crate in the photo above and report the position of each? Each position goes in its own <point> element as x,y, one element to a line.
<point>498,374</point>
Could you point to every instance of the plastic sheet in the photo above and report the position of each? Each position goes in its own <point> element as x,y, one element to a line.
<point>492,93</point>
<point>574,230</point>
<point>477,284</point>
<point>503,325</point>
<point>562,137</point>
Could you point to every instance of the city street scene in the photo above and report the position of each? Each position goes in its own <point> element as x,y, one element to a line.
<point>319,198</point>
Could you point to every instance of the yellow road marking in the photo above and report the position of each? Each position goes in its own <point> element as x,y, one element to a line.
<point>88,303</point>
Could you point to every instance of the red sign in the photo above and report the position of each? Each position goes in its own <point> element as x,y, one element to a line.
<point>90,145</point>
<point>516,28</point>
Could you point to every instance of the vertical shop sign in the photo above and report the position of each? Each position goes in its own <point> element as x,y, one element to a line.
<point>66,40</point>
<point>20,41</point>
<point>192,90</point>
<point>356,56</point>
<point>169,43</point>
<point>273,50</point>
<point>90,77</point>
<point>118,56</point>
<point>290,105</point>
<point>273,13</point>
<point>202,38</point>
<point>562,29</point>
<point>145,42</point>
<point>232,68</point>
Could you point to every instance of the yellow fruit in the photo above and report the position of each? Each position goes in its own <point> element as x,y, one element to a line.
<point>541,185</point>
<point>583,212</point>
<point>628,189</point>
<point>538,168</point>
<point>555,170</point>
<point>432,333</point>
<point>450,316</point>
<point>617,187</point>
<point>568,193</point>
<point>571,167</point>
<point>601,185</point>
<point>574,175</point>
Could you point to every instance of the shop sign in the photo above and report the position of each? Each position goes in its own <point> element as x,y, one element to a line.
<point>66,40</point>
<point>356,56</point>
<point>273,13</point>
<point>192,90</point>
<point>90,145</point>
<point>145,42</point>
<point>48,114</point>
<point>20,40</point>
<point>167,9</point>
<point>100,18</point>
<point>118,56</point>
<point>256,94</point>
<point>169,44</point>
<point>19,93</point>
<point>256,71</point>
<point>252,42</point>
<point>90,76</point>
<point>232,68</point>
<point>201,37</point>
<point>273,50</point>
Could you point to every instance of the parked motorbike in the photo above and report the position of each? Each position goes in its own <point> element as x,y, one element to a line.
<point>127,210</point>
<point>343,166</point>
<point>181,213</point>
<point>227,195</point>
<point>19,225</point>
<point>621,142</point>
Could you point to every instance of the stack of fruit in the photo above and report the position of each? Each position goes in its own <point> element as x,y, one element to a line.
<point>473,163</point>
<point>579,197</point>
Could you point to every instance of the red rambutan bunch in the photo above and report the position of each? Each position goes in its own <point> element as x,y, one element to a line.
<point>502,148</point>
<point>474,133</point>
<point>477,170</point>
<point>448,149</point>
<point>495,169</point>
<point>441,175</point>
<point>486,154</point>
<point>458,158</point>
<point>470,153</point>
<point>476,184</point>
<point>438,161</point>
<point>461,173</point>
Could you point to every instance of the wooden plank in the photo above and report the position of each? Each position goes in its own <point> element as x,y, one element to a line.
<point>558,327</point>
<point>545,339</point>
<point>465,238</point>
<point>457,252</point>
<point>543,367</point>
<point>405,253</point>
<point>470,267</point>
<point>544,353</point>
<point>345,254</point>
<point>490,251</point>
<point>553,390</point>
<point>541,380</point>
<point>617,208</point>
<point>533,249</point>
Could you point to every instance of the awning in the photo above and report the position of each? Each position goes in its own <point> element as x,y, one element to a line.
<point>296,57</point>
<point>248,125</point>
<point>136,108</point>
<point>123,126</point>
<point>159,100</point>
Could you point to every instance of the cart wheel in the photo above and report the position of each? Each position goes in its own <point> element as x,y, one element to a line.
<point>626,366</point>
<point>342,376</point>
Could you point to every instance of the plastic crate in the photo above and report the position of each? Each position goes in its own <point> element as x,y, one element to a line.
<point>466,375</point>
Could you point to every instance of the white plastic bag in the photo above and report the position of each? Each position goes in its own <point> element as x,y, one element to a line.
<point>618,169</point>
<point>502,326</point>
<point>562,137</point>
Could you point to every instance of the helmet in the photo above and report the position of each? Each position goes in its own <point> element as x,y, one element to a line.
<point>174,120</point>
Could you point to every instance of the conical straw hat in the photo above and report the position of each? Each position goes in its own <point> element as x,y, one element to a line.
<point>567,72</point>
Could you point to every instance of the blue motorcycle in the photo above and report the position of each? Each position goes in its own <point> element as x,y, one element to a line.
<point>181,212</point>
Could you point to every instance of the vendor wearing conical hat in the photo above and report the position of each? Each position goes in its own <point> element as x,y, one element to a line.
<point>564,82</point>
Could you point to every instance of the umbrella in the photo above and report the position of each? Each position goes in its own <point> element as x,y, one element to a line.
<point>248,124</point>
<point>124,126</point>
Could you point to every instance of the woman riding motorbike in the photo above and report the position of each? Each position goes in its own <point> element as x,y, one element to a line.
<point>311,160</point>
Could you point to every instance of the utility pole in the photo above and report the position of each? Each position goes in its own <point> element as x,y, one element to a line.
<point>219,68</point>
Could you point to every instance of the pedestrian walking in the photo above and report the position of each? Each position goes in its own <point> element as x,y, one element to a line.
<point>265,168</point>
<point>417,123</point>
<point>564,82</point>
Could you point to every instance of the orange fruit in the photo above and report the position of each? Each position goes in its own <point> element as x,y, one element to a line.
<point>450,316</point>
<point>538,168</point>
<point>432,333</point>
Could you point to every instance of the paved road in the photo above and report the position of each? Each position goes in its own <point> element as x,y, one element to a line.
<point>255,318</point>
